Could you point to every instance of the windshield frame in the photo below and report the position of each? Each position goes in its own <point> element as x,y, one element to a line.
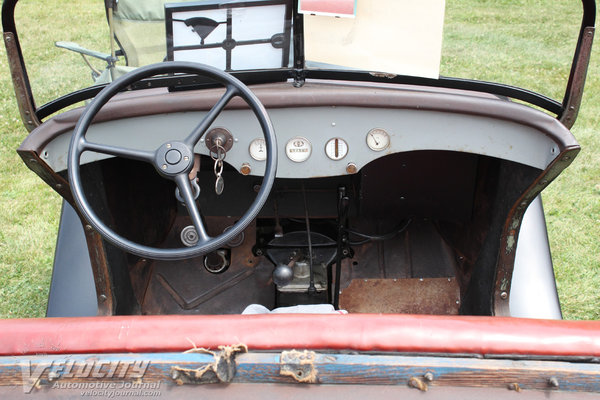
<point>566,110</point>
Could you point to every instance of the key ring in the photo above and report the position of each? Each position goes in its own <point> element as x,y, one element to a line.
<point>221,152</point>
<point>218,165</point>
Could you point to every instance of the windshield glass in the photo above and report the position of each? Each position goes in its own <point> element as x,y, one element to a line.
<point>67,46</point>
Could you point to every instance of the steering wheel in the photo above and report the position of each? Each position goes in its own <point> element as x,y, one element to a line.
<point>173,160</point>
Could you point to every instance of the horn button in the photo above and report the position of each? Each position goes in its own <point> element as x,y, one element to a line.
<point>173,158</point>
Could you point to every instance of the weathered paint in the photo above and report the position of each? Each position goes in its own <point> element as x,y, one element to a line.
<point>331,368</point>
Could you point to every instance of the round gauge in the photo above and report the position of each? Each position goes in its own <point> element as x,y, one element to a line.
<point>258,149</point>
<point>298,149</point>
<point>378,139</point>
<point>336,148</point>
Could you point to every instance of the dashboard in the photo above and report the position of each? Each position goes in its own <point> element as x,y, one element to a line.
<point>323,141</point>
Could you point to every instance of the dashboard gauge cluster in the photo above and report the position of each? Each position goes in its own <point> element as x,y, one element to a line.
<point>299,149</point>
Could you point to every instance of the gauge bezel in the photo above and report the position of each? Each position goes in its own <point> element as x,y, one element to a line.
<point>375,146</point>
<point>255,157</point>
<point>303,156</point>
<point>332,157</point>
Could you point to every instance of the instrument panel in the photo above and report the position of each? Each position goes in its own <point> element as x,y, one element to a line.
<point>322,141</point>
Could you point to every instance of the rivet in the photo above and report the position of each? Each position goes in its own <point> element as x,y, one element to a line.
<point>58,186</point>
<point>168,145</point>
<point>88,228</point>
<point>428,377</point>
<point>102,298</point>
<point>351,168</point>
<point>553,382</point>
<point>504,295</point>
<point>164,166</point>
<point>186,158</point>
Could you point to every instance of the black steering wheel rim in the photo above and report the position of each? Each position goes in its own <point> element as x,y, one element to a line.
<point>206,244</point>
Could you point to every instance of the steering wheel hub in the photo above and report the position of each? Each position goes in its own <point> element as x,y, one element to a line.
<point>173,158</point>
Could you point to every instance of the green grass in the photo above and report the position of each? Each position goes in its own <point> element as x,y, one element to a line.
<point>527,43</point>
<point>29,209</point>
<point>519,44</point>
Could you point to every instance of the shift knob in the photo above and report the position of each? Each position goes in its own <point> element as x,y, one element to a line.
<point>283,274</point>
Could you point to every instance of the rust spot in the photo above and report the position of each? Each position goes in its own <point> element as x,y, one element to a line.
<point>434,296</point>
<point>417,383</point>
<point>300,365</point>
<point>222,370</point>
<point>515,387</point>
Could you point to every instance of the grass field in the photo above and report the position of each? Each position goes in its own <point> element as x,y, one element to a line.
<point>508,41</point>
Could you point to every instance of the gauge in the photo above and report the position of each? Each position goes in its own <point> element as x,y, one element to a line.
<point>298,149</point>
<point>336,148</point>
<point>258,149</point>
<point>378,139</point>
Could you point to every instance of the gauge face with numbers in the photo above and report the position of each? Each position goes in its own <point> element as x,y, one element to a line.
<point>298,149</point>
<point>336,148</point>
<point>258,149</point>
<point>378,139</point>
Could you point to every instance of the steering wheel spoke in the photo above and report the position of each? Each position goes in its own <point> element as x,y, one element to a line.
<point>133,154</point>
<point>212,115</point>
<point>187,194</point>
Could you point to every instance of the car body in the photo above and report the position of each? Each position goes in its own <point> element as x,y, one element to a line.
<point>410,203</point>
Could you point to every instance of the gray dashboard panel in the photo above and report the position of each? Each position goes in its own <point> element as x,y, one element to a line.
<point>410,130</point>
